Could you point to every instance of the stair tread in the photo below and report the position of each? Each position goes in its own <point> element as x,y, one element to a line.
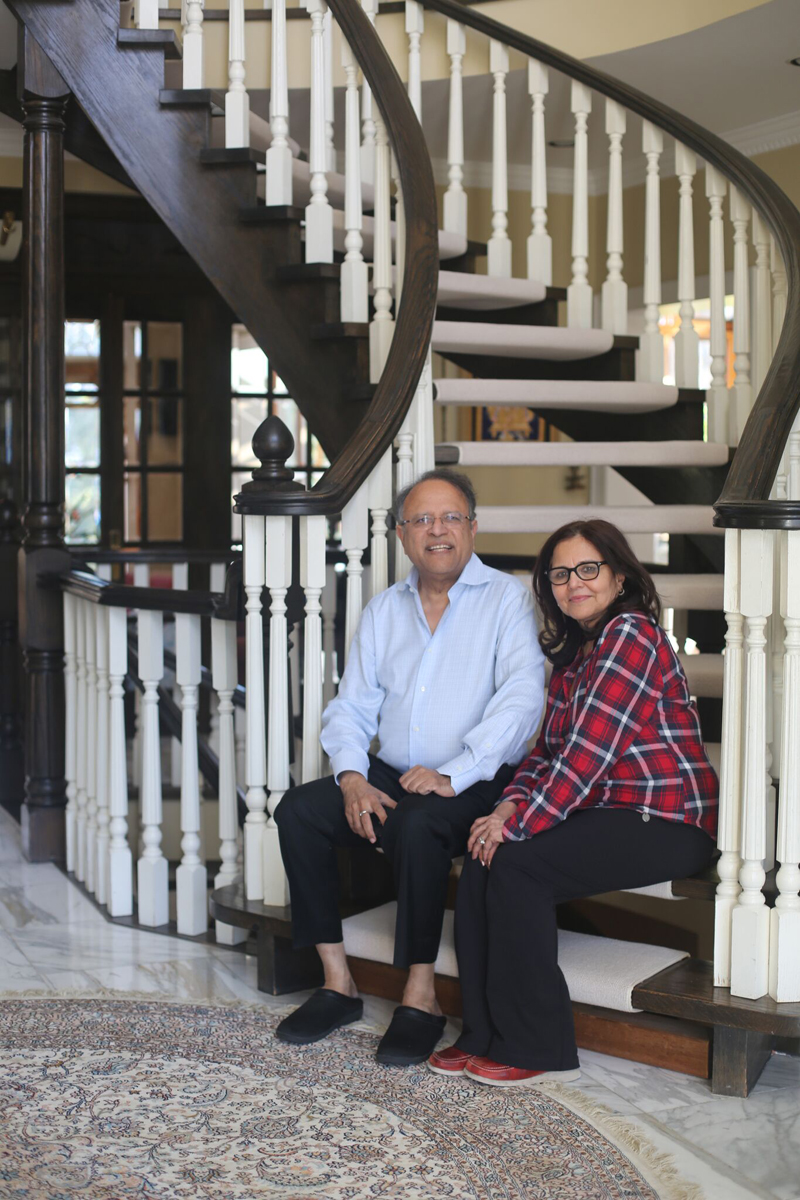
<point>151,39</point>
<point>690,591</point>
<point>522,341</point>
<point>265,214</point>
<point>613,454</point>
<point>461,289</point>
<point>215,156</point>
<point>645,518</point>
<point>584,395</point>
<point>193,98</point>
<point>687,990</point>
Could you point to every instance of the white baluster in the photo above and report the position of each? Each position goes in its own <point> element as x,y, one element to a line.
<point>750,918</point>
<point>331,670</point>
<point>327,33</point>
<point>717,398</point>
<point>237,101</point>
<point>216,582</point>
<point>354,273</point>
<point>784,950</point>
<point>279,154</point>
<point>687,343</point>
<point>424,441</point>
<point>70,726</point>
<point>147,14</point>
<point>415,27</point>
<point>779,291</point>
<point>141,578</point>
<point>193,71</point>
<point>101,752</point>
<point>180,583</point>
<point>730,774</point>
<point>380,501</point>
<point>225,677</point>
<point>190,878</point>
<point>455,198</point>
<point>499,243</point>
<point>240,735</point>
<point>579,292</point>
<point>91,754</point>
<point>153,894</point>
<point>615,289</point>
<point>313,535</point>
<point>381,328</point>
<point>650,359</point>
<point>354,542</point>
<point>319,214</point>
<point>368,127</point>
<point>256,749</point>
<point>540,245</point>
<point>278,577</point>
<point>120,865</point>
<point>762,303</point>
<point>741,400</point>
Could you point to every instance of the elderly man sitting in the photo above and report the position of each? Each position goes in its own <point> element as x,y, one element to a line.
<point>445,668</point>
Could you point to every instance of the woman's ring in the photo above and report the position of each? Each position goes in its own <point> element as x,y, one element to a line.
<point>482,841</point>
<point>363,811</point>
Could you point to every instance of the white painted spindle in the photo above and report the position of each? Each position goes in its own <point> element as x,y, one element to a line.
<point>455,198</point>
<point>750,918</point>
<point>70,726</point>
<point>193,69</point>
<point>499,242</point>
<point>217,574</point>
<point>354,273</point>
<point>382,325</point>
<point>779,293</point>
<point>313,536</point>
<point>540,245</point>
<point>153,894</point>
<point>147,14</point>
<point>141,578</point>
<point>650,359</point>
<point>784,949</point>
<point>579,292</point>
<point>237,101</point>
<point>762,303</point>
<point>415,27</point>
<point>180,583</point>
<point>256,747</point>
<point>327,33</point>
<point>687,343</point>
<point>730,774</point>
<point>741,400</point>
<point>368,127</point>
<point>89,613</point>
<point>120,864</point>
<point>615,290</point>
<point>101,751</point>
<point>279,154</point>
<point>355,534</point>
<point>380,502</point>
<point>717,398</point>
<point>331,671</point>
<point>81,740</point>
<point>225,677</point>
<point>319,214</point>
<point>190,877</point>
<point>278,579</point>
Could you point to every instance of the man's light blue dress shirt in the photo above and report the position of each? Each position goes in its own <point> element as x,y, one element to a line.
<point>463,700</point>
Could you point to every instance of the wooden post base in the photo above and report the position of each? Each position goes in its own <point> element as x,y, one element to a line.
<point>43,834</point>
<point>738,1058</point>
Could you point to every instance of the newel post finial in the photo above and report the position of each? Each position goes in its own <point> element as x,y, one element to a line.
<point>273,445</point>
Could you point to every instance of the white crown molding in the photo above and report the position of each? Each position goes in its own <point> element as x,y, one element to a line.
<point>776,133</point>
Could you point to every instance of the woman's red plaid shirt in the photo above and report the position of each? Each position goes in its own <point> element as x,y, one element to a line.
<point>620,731</point>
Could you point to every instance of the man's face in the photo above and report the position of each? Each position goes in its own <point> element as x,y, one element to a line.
<point>440,549</point>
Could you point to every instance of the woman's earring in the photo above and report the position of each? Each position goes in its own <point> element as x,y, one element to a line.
<point>621,591</point>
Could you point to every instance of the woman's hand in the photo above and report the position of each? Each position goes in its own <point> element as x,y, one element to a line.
<point>486,833</point>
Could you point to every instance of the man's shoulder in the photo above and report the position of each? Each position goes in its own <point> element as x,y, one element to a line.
<point>499,583</point>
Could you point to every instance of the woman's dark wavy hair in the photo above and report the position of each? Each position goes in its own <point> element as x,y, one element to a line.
<point>561,636</point>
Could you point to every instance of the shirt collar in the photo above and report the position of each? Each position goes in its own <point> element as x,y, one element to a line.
<point>474,574</point>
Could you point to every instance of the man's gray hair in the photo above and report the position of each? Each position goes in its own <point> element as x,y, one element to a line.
<point>454,478</point>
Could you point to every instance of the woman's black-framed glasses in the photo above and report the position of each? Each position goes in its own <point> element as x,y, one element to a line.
<point>584,570</point>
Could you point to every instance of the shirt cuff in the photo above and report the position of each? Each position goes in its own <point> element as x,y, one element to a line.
<point>350,760</point>
<point>462,771</point>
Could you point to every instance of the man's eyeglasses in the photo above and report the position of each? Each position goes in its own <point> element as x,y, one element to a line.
<point>584,570</point>
<point>453,520</point>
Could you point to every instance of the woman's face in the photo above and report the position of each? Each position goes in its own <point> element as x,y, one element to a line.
<point>583,599</point>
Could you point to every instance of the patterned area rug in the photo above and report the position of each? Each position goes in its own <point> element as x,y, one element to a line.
<point>126,1098</point>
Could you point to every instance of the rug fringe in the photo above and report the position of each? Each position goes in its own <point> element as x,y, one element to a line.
<point>659,1163</point>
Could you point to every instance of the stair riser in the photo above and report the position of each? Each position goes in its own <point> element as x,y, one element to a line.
<point>543,313</point>
<point>617,364</point>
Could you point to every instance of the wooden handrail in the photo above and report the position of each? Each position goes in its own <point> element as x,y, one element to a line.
<point>151,554</point>
<point>744,499</point>
<point>414,323</point>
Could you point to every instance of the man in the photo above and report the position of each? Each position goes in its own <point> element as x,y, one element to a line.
<point>445,668</point>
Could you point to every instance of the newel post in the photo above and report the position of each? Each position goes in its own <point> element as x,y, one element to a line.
<point>11,768</point>
<point>43,95</point>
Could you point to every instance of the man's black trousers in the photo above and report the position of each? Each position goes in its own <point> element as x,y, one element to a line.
<point>421,837</point>
<point>515,1002</point>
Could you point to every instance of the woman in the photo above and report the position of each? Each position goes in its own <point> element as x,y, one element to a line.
<point>618,793</point>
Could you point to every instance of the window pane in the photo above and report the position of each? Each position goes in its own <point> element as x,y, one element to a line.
<point>132,505</point>
<point>278,386</point>
<point>131,430</point>
<point>165,352</point>
<point>132,355</point>
<point>318,457</point>
<point>289,413</point>
<point>246,416</point>
<point>165,440</point>
<point>249,367</point>
<point>82,355</point>
<point>82,434</point>
<point>164,507</point>
<point>83,508</point>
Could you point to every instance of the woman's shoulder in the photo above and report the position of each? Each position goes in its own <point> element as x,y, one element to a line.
<point>632,627</point>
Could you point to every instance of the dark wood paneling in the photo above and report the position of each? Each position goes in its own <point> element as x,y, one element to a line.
<point>207,422</point>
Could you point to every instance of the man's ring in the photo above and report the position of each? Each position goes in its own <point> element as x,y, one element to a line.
<point>363,811</point>
<point>482,841</point>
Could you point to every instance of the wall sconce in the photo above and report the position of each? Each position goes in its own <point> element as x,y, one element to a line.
<point>10,237</point>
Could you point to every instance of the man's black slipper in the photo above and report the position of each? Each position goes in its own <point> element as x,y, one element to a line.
<point>411,1037</point>
<point>321,1014</point>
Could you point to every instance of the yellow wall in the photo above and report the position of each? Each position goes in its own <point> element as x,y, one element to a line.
<point>78,177</point>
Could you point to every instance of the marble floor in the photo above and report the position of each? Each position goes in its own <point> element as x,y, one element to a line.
<point>53,939</point>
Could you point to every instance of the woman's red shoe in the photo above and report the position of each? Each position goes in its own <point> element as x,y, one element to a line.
<point>485,1070</point>
<point>451,1061</point>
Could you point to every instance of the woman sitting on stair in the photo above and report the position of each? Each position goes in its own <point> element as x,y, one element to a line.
<point>618,793</point>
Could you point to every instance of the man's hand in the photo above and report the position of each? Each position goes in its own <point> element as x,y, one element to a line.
<point>425,780</point>
<point>361,800</point>
<point>486,833</point>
